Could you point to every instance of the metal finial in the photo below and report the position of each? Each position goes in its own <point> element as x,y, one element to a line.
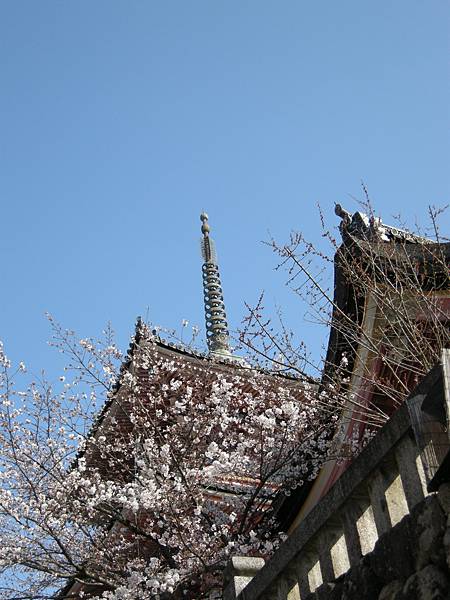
<point>217,335</point>
<point>205,225</point>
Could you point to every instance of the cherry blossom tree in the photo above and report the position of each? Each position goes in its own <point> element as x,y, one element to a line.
<point>139,482</point>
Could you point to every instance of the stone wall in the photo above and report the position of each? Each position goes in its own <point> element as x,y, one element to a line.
<point>409,562</point>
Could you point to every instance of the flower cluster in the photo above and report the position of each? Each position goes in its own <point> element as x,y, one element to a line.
<point>177,471</point>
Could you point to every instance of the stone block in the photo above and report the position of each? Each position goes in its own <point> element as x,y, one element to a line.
<point>429,531</point>
<point>444,497</point>
<point>239,572</point>
<point>393,555</point>
<point>446,543</point>
<point>428,584</point>
<point>361,582</point>
<point>392,591</point>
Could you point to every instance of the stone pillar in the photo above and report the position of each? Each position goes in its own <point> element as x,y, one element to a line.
<point>377,487</point>
<point>411,471</point>
<point>301,567</point>
<point>239,572</point>
<point>349,517</point>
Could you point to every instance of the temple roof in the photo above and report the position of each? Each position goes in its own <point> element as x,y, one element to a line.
<point>368,227</point>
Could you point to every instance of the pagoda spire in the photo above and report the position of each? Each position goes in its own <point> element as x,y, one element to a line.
<point>217,335</point>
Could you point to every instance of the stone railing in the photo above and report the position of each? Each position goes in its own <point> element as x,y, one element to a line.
<point>380,487</point>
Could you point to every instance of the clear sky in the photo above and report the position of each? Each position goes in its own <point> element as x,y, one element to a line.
<point>121,120</point>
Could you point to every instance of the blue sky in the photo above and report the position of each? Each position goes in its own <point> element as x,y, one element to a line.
<point>121,120</point>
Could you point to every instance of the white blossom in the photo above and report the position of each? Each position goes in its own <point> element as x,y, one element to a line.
<point>131,492</point>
